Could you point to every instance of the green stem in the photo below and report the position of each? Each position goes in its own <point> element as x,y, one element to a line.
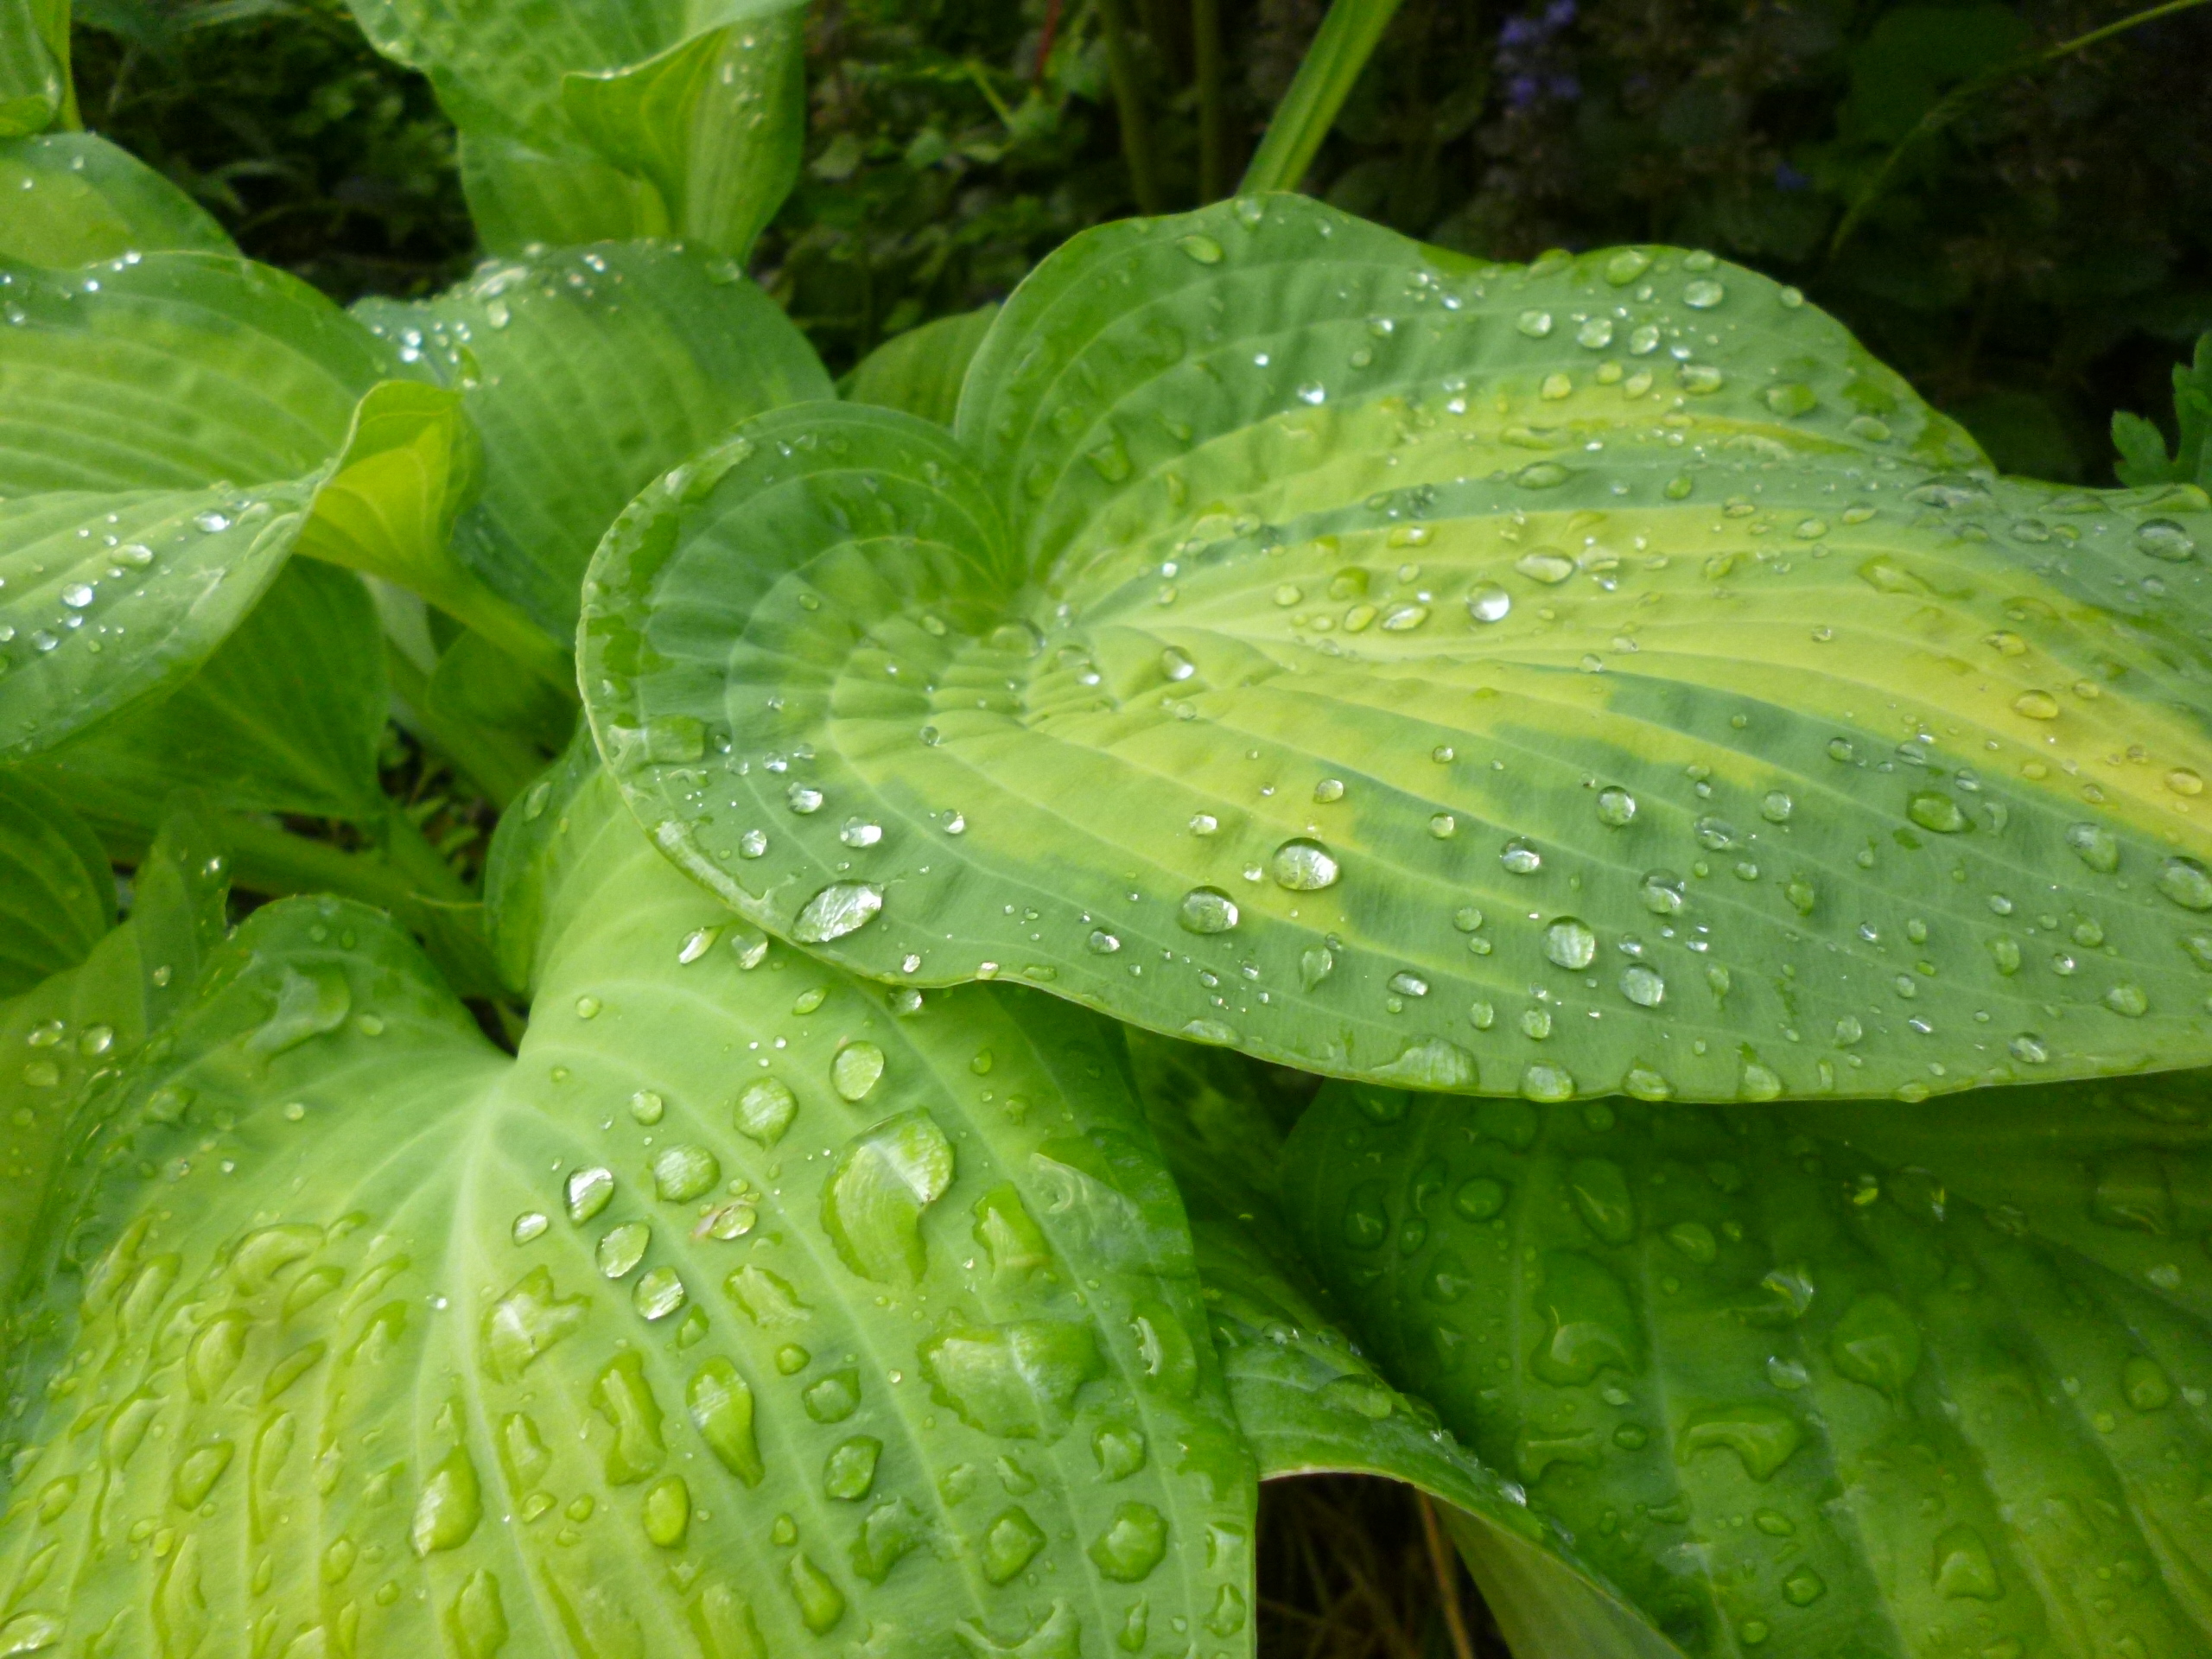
<point>1347,39</point>
<point>498,763</point>
<point>1129,105</point>
<point>1213,114</point>
<point>1952,105</point>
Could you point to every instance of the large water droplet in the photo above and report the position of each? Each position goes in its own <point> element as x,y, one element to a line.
<point>1877,1343</point>
<point>1664,894</point>
<point>1133,1544</point>
<point>683,1172</point>
<point>2036,705</point>
<point>1490,603</point>
<point>1206,909</point>
<point>1569,943</point>
<point>765,1109</point>
<point>588,1192</point>
<point>1203,249</point>
<point>1962,1568</point>
<point>840,908</point>
<point>449,1506</point>
<point>856,1070</point>
<point>1762,1436</point>
<point>1615,806</point>
<point>1519,858</point>
<point>2095,846</point>
<point>2162,538</point>
<point>1302,866</point>
<point>620,1248</point>
<point>873,1202</point>
<point>1642,985</point>
<point>2186,882</point>
<point>1933,810</point>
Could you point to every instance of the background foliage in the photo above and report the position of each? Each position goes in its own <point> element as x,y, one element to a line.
<point>2035,265</point>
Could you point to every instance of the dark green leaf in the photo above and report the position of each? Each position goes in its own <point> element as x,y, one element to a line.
<point>57,895</point>
<point>35,90</point>
<point>2143,457</point>
<point>1832,1377</point>
<point>1595,675</point>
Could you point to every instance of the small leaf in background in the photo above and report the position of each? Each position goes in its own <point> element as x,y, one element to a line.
<point>35,89</point>
<point>592,120</point>
<point>57,895</point>
<point>2142,458</point>
<point>1830,1377</point>
<point>588,372</point>
<point>557,1343</point>
<point>1596,675</point>
<point>74,198</point>
<point>921,369</point>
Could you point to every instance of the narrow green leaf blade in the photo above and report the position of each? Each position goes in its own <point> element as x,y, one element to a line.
<point>57,895</point>
<point>285,717</point>
<point>1326,75</point>
<point>921,370</point>
<point>588,372</point>
<point>876,1360</point>
<point>1599,676</point>
<point>73,198</point>
<point>1943,1416</point>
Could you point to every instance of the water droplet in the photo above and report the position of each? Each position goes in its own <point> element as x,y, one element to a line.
<point>2183,781</point>
<point>2036,705</point>
<point>840,908</point>
<point>882,1180</point>
<point>1408,984</point>
<point>531,1224</point>
<point>1664,894</point>
<point>2095,846</point>
<point>2128,1000</point>
<point>1933,810</point>
<point>1548,1083</point>
<point>1596,334</point>
<point>1615,806</point>
<point>849,1473</point>
<point>1534,324</point>
<point>1877,1343</point>
<point>658,1293</point>
<point>1569,943</point>
<point>683,1172</point>
<point>859,832</point>
<point>1547,565</point>
<point>1714,835</point>
<point>1626,266</point>
<point>1206,909</point>
<point>449,1507</point>
<point>1300,865</point>
<point>1962,1568</point>
<point>620,1248</point>
<point>1488,603</point>
<point>1329,790</point>
<point>588,1192</point>
<point>667,1511</point>
<point>1519,858</point>
<point>1777,806</point>
<point>1703,295</point>
<point>2186,882</point>
<point>857,1068</point>
<point>2142,1380</point>
<point>1762,1436</point>
<point>2162,538</point>
<point>1175,665</point>
<point>1600,1193</point>
<point>803,798</point>
<point>1642,985</point>
<point>1203,249</point>
<point>1443,825</point>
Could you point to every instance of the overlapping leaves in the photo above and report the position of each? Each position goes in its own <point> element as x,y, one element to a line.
<point>1593,676</point>
<point>740,1303</point>
<point>1826,1379</point>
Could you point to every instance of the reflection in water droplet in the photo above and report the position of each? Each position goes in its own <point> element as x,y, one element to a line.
<point>1664,893</point>
<point>620,1248</point>
<point>840,908</point>
<point>1569,943</point>
<point>1642,985</point>
<point>1175,665</point>
<point>1302,866</point>
<point>1206,909</point>
<point>1615,806</point>
<point>1490,603</point>
<point>588,1192</point>
<point>857,1068</point>
<point>1519,858</point>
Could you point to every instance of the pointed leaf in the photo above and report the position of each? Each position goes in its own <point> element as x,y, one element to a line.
<point>2143,457</point>
<point>588,372</point>
<point>1406,668</point>
<point>1784,1381</point>
<point>74,198</point>
<point>561,1345</point>
<point>57,895</point>
<point>921,369</point>
<point>589,120</point>
<point>285,717</point>
<point>68,1032</point>
<point>35,92</point>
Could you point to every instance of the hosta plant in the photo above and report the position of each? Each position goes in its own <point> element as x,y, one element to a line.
<point>829,1187</point>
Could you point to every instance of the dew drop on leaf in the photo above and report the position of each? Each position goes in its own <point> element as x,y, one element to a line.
<point>1206,909</point>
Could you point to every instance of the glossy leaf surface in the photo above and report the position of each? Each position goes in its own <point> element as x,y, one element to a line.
<point>73,198</point>
<point>57,895</point>
<point>922,370</point>
<point>586,371</point>
<point>284,717</point>
<point>1599,675</point>
<point>89,1018</point>
<point>589,120</point>
<point>736,1314</point>
<point>35,87</point>
<point>1832,1378</point>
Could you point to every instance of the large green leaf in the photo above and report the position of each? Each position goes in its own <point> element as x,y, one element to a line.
<point>284,717</point>
<point>739,1313</point>
<point>74,198</point>
<point>921,370</point>
<point>57,895</point>
<point>588,372</point>
<point>72,1030</point>
<point>1308,1401</point>
<point>1832,1378</point>
<point>590,120</point>
<point>1596,675</point>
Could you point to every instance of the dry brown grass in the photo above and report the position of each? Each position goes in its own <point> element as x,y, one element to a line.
<point>1348,1570</point>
